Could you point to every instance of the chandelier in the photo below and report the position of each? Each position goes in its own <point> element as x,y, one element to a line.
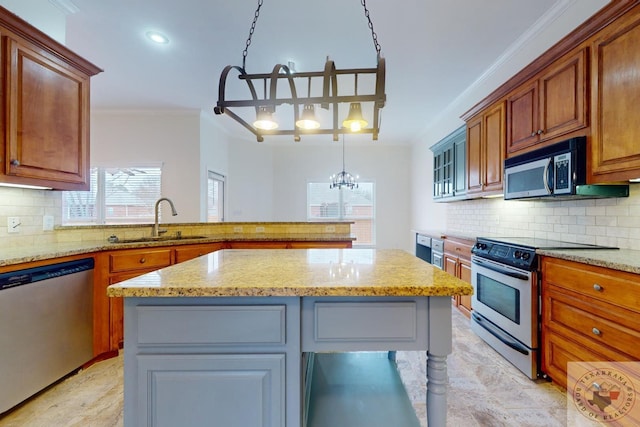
<point>344,178</point>
<point>304,118</point>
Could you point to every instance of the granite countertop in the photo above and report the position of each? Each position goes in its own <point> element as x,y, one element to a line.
<point>22,254</point>
<point>296,272</point>
<point>618,259</point>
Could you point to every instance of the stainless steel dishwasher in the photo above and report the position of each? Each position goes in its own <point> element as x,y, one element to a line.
<point>46,327</point>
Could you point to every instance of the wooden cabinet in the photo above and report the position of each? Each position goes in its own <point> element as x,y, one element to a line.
<point>449,166</point>
<point>615,61</point>
<point>588,313</point>
<point>457,262</point>
<point>550,105</point>
<point>45,109</point>
<point>187,252</point>
<point>119,265</point>
<point>485,151</point>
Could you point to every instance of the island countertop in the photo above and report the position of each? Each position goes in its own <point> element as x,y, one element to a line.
<point>296,272</point>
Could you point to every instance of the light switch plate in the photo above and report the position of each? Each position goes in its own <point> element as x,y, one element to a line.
<point>13,224</point>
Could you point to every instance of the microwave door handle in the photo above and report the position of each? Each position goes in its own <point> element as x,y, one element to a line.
<point>547,168</point>
<point>545,177</point>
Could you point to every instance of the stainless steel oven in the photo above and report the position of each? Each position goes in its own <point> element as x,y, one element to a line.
<point>506,300</point>
<point>505,311</point>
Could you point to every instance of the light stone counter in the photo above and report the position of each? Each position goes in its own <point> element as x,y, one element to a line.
<point>296,272</point>
<point>49,250</point>
<point>623,259</point>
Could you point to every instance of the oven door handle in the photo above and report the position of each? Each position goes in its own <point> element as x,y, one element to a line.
<point>499,335</point>
<point>497,269</point>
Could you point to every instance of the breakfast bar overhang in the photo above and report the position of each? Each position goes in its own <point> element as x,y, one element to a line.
<point>223,337</point>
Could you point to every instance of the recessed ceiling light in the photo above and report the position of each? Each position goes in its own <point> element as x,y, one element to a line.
<point>157,37</point>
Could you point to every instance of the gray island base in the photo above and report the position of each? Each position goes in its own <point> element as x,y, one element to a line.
<point>237,361</point>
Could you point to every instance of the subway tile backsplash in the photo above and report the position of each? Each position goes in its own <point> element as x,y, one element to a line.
<point>607,222</point>
<point>30,206</point>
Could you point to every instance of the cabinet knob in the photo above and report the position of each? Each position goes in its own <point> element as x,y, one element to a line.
<point>143,260</point>
<point>597,287</point>
<point>596,331</point>
<point>540,132</point>
<point>15,162</point>
<point>533,133</point>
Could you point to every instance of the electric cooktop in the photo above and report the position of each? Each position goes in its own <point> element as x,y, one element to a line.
<point>535,243</point>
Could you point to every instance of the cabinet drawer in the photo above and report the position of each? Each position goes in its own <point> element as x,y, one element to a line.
<point>217,325</point>
<point>363,325</point>
<point>458,247</point>
<point>139,259</point>
<point>598,322</point>
<point>615,287</point>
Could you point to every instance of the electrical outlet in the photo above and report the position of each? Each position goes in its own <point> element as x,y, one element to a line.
<point>237,229</point>
<point>47,223</point>
<point>259,229</point>
<point>13,224</point>
<point>330,229</point>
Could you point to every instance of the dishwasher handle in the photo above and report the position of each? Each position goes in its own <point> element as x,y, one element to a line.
<point>36,274</point>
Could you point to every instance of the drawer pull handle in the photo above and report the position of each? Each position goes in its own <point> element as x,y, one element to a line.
<point>597,287</point>
<point>143,260</point>
<point>596,331</point>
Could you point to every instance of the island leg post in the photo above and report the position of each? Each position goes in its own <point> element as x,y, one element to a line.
<point>440,342</point>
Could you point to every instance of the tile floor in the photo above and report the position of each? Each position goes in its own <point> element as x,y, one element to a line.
<point>484,390</point>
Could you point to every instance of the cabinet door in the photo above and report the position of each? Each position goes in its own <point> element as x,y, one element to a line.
<point>47,118</point>
<point>615,82</point>
<point>464,302</point>
<point>522,116</point>
<point>562,97</point>
<point>437,174</point>
<point>230,390</point>
<point>493,150</point>
<point>474,155</point>
<point>460,176</point>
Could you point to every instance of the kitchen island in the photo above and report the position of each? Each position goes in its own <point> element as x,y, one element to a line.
<point>223,337</point>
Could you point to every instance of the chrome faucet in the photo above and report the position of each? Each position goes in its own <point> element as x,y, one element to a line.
<point>156,228</point>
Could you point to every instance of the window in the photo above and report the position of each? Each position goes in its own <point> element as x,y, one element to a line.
<point>116,196</point>
<point>358,205</point>
<point>215,197</point>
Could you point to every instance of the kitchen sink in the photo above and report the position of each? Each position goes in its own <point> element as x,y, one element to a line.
<point>155,239</point>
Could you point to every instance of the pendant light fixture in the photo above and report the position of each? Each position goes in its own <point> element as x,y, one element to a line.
<point>304,118</point>
<point>343,178</point>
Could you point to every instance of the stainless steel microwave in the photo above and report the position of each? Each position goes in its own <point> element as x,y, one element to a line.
<point>555,171</point>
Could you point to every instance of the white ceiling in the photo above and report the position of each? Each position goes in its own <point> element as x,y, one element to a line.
<point>434,49</point>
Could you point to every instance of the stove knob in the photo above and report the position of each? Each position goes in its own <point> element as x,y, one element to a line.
<point>481,246</point>
<point>517,254</point>
<point>526,256</point>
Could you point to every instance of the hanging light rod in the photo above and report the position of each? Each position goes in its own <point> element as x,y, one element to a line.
<point>304,121</point>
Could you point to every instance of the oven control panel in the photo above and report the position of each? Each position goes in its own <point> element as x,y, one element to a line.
<point>515,256</point>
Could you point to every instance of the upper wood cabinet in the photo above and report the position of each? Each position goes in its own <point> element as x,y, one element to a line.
<point>550,105</point>
<point>485,151</point>
<point>45,109</point>
<point>615,62</point>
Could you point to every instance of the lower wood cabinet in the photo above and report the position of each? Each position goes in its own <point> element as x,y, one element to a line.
<point>457,262</point>
<point>588,314</point>
<point>118,265</point>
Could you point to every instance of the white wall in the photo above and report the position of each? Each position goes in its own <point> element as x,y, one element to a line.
<point>124,138</point>
<point>388,166</point>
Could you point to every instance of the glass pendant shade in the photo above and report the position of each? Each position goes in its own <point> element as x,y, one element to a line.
<point>264,120</point>
<point>354,121</point>
<point>308,118</point>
